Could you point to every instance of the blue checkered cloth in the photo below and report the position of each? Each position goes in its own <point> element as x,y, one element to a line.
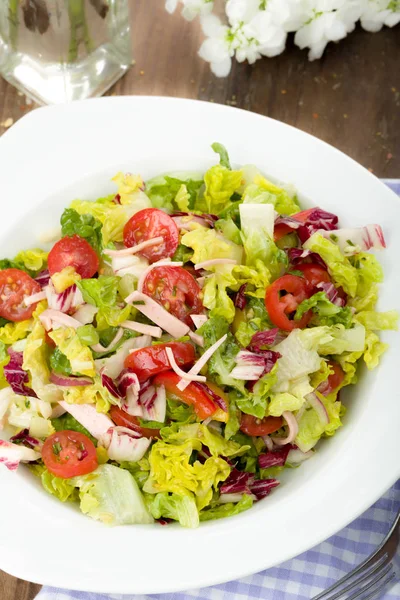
<point>300,578</point>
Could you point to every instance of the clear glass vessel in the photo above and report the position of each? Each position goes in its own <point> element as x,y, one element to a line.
<point>63,50</point>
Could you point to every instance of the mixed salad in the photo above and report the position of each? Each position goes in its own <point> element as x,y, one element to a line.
<point>183,341</point>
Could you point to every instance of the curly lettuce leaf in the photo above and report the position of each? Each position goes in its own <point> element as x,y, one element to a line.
<point>172,506</point>
<point>221,183</point>
<point>171,471</point>
<point>86,226</point>
<point>262,191</point>
<point>174,193</point>
<point>283,401</point>
<point>340,269</point>
<point>79,356</point>
<point>62,489</point>
<point>326,312</point>
<point>209,244</point>
<point>103,292</point>
<point>227,510</point>
<point>217,445</point>
<point>378,321</point>
<point>36,354</point>
<point>95,393</point>
<point>111,495</point>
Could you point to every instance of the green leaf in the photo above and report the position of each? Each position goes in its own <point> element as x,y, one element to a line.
<point>340,269</point>
<point>165,192</point>
<point>377,321</point>
<point>62,489</point>
<point>88,335</point>
<point>221,183</point>
<point>223,155</point>
<point>60,363</point>
<point>171,471</point>
<point>173,506</point>
<point>329,313</point>
<point>111,495</point>
<point>86,226</point>
<point>227,510</point>
<point>103,293</point>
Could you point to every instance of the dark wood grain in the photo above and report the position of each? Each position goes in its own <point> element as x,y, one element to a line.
<point>350,98</point>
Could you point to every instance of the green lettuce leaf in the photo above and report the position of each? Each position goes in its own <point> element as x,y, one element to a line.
<point>223,155</point>
<point>60,363</point>
<point>103,293</point>
<point>340,269</point>
<point>62,489</point>
<point>174,193</point>
<point>374,349</point>
<point>173,506</point>
<point>36,354</point>
<point>79,356</point>
<point>209,244</point>
<point>262,191</point>
<point>227,510</point>
<point>217,445</point>
<point>329,313</point>
<point>282,402</point>
<point>377,321</point>
<point>111,495</point>
<point>86,226</point>
<point>221,183</point>
<point>171,471</point>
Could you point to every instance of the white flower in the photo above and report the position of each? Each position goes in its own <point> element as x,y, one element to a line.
<point>171,5</point>
<point>191,8</point>
<point>241,11</point>
<point>216,49</point>
<point>380,12</point>
<point>327,21</point>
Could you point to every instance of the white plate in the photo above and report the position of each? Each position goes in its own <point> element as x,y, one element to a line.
<point>59,153</point>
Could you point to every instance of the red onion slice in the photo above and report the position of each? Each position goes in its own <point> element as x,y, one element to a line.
<point>66,381</point>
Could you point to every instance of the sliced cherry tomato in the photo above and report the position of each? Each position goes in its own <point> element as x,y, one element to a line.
<point>280,307</point>
<point>73,252</point>
<point>282,229</point>
<point>314,273</point>
<point>176,290</point>
<point>254,427</point>
<point>334,380</point>
<point>192,395</point>
<point>146,362</point>
<point>148,224</point>
<point>15,285</point>
<point>69,454</point>
<point>123,419</point>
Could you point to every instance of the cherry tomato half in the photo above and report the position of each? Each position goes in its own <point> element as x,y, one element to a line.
<point>148,224</point>
<point>313,273</point>
<point>73,252</point>
<point>282,229</point>
<point>123,419</point>
<point>280,307</point>
<point>69,454</point>
<point>192,395</point>
<point>14,286</point>
<point>254,427</point>
<point>176,290</point>
<point>149,361</point>
<point>334,380</point>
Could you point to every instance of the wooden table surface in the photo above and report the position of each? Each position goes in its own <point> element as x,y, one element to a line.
<point>350,98</point>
